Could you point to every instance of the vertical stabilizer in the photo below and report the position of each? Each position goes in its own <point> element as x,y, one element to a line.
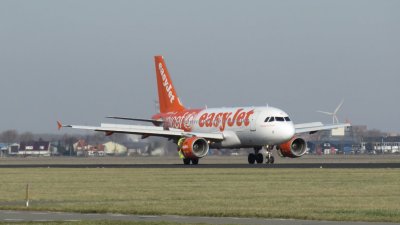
<point>168,99</point>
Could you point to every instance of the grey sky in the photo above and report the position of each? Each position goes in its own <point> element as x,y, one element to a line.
<point>78,61</point>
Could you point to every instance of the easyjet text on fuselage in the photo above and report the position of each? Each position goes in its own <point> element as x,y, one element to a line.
<point>186,120</point>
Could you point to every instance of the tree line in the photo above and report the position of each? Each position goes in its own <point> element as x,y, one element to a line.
<point>13,136</point>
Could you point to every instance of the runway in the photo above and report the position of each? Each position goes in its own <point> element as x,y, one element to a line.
<point>216,166</point>
<point>45,216</point>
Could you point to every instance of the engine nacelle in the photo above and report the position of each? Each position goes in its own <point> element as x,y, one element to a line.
<point>194,147</point>
<point>294,148</point>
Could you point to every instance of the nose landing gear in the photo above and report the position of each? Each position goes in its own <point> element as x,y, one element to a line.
<point>269,158</point>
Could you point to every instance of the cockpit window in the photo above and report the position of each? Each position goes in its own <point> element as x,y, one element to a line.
<point>279,119</point>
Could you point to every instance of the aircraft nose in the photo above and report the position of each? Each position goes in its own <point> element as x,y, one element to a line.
<point>287,131</point>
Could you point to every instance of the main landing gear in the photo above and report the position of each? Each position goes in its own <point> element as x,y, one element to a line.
<point>259,157</point>
<point>187,161</point>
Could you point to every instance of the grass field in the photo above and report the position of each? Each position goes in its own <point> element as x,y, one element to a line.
<point>325,194</point>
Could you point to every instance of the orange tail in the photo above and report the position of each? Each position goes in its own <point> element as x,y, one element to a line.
<point>168,99</point>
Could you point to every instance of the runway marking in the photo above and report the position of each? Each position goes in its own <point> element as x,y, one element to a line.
<point>39,213</point>
<point>92,214</point>
<point>13,219</point>
<point>118,215</point>
<point>148,216</point>
<point>61,213</point>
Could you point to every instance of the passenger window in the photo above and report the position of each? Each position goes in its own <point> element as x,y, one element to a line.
<point>266,120</point>
<point>280,119</point>
<point>272,119</point>
<point>287,118</point>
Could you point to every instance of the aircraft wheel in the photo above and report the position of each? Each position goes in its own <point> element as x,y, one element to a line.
<point>195,161</point>
<point>271,160</point>
<point>186,161</point>
<point>251,158</point>
<point>259,158</point>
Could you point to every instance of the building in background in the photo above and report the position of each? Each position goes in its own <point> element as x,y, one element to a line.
<point>82,148</point>
<point>35,148</point>
<point>3,149</point>
<point>113,148</point>
<point>381,145</point>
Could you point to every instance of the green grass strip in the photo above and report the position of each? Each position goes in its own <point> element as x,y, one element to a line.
<point>315,194</point>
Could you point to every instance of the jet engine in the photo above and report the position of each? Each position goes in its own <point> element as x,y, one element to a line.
<point>294,148</point>
<point>194,147</point>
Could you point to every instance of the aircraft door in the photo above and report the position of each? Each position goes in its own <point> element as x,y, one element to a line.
<point>253,121</point>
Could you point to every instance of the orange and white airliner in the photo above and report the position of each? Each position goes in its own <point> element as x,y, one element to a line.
<point>195,131</point>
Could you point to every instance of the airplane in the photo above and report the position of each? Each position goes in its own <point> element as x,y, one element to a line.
<point>195,131</point>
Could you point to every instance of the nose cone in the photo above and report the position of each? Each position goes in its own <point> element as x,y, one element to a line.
<point>286,132</point>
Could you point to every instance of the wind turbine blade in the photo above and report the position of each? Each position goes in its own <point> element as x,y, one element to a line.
<point>327,113</point>
<point>336,119</point>
<point>337,108</point>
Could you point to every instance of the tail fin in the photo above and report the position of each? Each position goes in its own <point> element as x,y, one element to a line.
<point>168,99</point>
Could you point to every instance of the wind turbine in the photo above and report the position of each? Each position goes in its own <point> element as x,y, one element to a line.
<point>333,114</point>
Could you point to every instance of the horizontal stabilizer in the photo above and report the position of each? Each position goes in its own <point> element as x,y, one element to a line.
<point>60,125</point>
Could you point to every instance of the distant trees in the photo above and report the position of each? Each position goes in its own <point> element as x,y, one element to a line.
<point>12,136</point>
<point>26,137</point>
<point>9,136</point>
<point>67,142</point>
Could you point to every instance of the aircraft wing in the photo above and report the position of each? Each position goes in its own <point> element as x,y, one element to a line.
<point>155,122</point>
<point>146,131</point>
<point>317,126</point>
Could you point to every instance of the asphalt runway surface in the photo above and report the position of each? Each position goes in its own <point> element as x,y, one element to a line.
<point>216,166</point>
<point>240,161</point>
<point>45,216</point>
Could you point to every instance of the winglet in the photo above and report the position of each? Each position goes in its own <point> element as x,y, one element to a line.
<point>59,125</point>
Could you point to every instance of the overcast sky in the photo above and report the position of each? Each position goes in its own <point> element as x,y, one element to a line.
<point>79,61</point>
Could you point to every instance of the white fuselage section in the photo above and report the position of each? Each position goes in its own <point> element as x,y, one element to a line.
<point>241,126</point>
